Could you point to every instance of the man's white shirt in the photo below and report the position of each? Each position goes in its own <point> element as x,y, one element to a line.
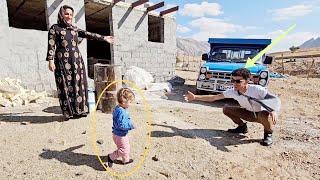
<point>255,91</point>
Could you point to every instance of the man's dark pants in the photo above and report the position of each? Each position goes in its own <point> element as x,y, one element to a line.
<point>237,114</point>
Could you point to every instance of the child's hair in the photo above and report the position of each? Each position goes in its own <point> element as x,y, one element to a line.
<point>125,95</point>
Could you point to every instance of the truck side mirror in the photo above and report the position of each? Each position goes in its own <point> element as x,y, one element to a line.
<point>205,57</point>
<point>268,60</point>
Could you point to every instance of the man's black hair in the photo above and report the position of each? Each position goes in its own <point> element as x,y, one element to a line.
<point>243,72</point>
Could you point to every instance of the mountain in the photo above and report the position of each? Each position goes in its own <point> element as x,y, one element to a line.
<point>191,47</point>
<point>311,43</point>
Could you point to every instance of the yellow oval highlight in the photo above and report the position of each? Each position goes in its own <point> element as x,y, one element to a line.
<point>149,128</point>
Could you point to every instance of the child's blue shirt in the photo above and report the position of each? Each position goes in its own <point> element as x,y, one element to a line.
<point>121,121</point>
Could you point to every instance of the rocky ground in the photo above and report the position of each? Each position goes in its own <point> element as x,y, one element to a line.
<point>188,140</point>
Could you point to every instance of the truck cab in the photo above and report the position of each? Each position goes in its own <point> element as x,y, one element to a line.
<point>227,55</point>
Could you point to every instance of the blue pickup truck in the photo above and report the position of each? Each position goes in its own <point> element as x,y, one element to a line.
<point>227,55</point>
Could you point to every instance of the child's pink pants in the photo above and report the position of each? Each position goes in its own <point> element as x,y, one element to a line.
<point>123,150</point>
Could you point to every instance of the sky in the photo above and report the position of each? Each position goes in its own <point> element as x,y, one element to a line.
<point>200,20</point>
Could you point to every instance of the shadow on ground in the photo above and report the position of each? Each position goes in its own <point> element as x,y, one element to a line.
<point>24,117</point>
<point>30,119</point>
<point>74,159</point>
<point>53,110</point>
<point>218,138</point>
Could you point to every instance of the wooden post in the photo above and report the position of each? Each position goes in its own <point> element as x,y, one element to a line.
<point>183,65</point>
<point>282,63</point>
<point>308,71</point>
<point>156,6</point>
<point>167,11</point>
<point>138,3</point>
<point>188,65</point>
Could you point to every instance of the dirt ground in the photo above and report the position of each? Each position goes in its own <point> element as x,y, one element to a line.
<point>188,140</point>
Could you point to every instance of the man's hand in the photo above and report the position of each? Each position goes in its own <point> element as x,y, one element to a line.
<point>189,96</point>
<point>109,39</point>
<point>51,66</point>
<point>274,117</point>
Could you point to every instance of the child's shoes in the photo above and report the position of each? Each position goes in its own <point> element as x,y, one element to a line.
<point>122,163</point>
<point>130,161</point>
<point>109,161</point>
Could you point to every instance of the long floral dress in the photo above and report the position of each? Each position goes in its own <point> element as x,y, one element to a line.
<point>70,74</point>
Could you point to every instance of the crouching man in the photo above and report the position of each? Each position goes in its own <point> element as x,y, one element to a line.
<point>256,104</point>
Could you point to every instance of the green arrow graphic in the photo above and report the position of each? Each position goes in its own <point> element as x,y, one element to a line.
<point>250,62</point>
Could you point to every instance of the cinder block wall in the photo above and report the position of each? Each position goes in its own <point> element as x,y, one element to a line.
<point>27,59</point>
<point>23,54</point>
<point>130,28</point>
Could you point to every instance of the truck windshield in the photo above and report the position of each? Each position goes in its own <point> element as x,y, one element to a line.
<point>232,54</point>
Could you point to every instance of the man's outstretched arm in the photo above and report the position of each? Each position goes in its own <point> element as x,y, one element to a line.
<point>207,98</point>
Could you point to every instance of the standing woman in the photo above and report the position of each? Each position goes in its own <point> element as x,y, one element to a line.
<point>67,64</point>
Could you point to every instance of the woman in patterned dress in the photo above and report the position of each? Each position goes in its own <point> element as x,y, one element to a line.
<point>67,64</point>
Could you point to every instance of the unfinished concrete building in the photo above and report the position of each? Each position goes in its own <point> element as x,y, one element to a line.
<point>144,38</point>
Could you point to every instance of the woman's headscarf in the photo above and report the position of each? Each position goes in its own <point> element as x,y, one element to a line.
<point>61,21</point>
